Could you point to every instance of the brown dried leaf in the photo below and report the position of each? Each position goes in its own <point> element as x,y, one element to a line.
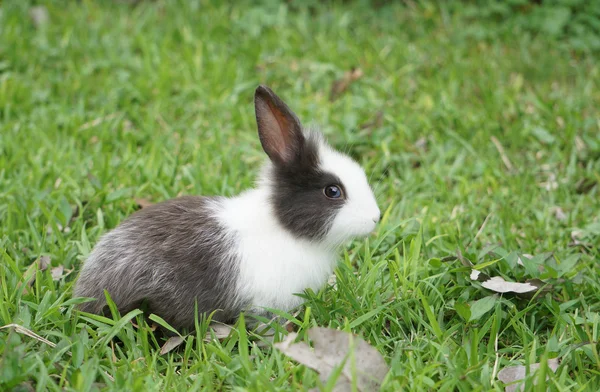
<point>478,276</point>
<point>43,263</point>
<point>463,260</point>
<point>39,15</point>
<point>29,276</point>
<point>57,272</point>
<point>559,213</point>
<point>421,144</point>
<point>341,85</point>
<point>576,236</point>
<point>171,343</point>
<point>498,284</point>
<point>291,327</point>
<point>331,350</point>
<point>220,331</point>
<point>512,374</point>
<point>143,203</point>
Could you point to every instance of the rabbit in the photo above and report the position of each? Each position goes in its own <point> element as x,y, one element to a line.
<point>246,253</point>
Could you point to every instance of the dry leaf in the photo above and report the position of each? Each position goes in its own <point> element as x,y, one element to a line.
<point>498,284</point>
<point>143,203</point>
<point>220,331</point>
<point>341,85</point>
<point>550,184</point>
<point>478,275</point>
<point>291,327</point>
<point>513,374</point>
<point>171,343</point>
<point>576,237</point>
<point>464,261</point>
<point>421,144</point>
<point>559,213</point>
<point>331,349</point>
<point>39,15</point>
<point>57,272</point>
<point>332,281</point>
<point>43,263</point>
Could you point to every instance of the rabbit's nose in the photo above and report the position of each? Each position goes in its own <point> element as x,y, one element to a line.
<point>377,217</point>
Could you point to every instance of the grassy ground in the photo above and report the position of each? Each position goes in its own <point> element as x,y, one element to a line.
<point>109,102</point>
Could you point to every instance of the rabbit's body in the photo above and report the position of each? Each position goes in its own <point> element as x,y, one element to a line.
<point>169,254</point>
<point>253,251</point>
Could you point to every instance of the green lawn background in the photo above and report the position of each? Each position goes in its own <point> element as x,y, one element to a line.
<point>463,115</point>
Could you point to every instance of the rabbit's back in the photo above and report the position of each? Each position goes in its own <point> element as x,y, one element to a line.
<point>168,255</point>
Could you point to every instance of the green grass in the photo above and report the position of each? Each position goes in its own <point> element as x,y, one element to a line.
<point>110,102</point>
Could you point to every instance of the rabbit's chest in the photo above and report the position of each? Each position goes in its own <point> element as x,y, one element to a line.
<point>274,270</point>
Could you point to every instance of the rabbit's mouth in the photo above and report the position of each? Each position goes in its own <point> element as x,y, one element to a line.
<point>347,226</point>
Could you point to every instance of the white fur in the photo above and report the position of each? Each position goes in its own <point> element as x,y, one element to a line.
<point>275,265</point>
<point>360,213</point>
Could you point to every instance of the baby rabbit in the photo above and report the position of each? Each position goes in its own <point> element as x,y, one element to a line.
<point>244,253</point>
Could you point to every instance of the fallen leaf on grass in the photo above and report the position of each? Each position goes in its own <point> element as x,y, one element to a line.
<point>331,350</point>
<point>559,213</point>
<point>576,236</point>
<point>57,272</point>
<point>332,281</point>
<point>463,260</point>
<point>143,203</point>
<point>512,374</point>
<point>43,263</point>
<point>499,285</point>
<point>341,85</point>
<point>171,343</point>
<point>219,331</point>
<point>39,15</point>
<point>40,264</point>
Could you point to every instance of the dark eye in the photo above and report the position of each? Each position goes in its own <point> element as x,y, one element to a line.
<point>332,191</point>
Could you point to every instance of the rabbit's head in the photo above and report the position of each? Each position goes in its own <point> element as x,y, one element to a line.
<point>317,193</point>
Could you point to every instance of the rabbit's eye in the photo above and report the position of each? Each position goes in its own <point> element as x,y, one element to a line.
<point>332,191</point>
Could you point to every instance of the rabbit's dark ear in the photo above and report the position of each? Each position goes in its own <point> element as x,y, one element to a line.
<point>279,129</point>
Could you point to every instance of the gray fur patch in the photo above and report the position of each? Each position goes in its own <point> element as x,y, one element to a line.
<point>168,255</point>
<point>297,193</point>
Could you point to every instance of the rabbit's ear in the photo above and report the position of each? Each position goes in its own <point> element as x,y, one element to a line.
<point>279,129</point>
